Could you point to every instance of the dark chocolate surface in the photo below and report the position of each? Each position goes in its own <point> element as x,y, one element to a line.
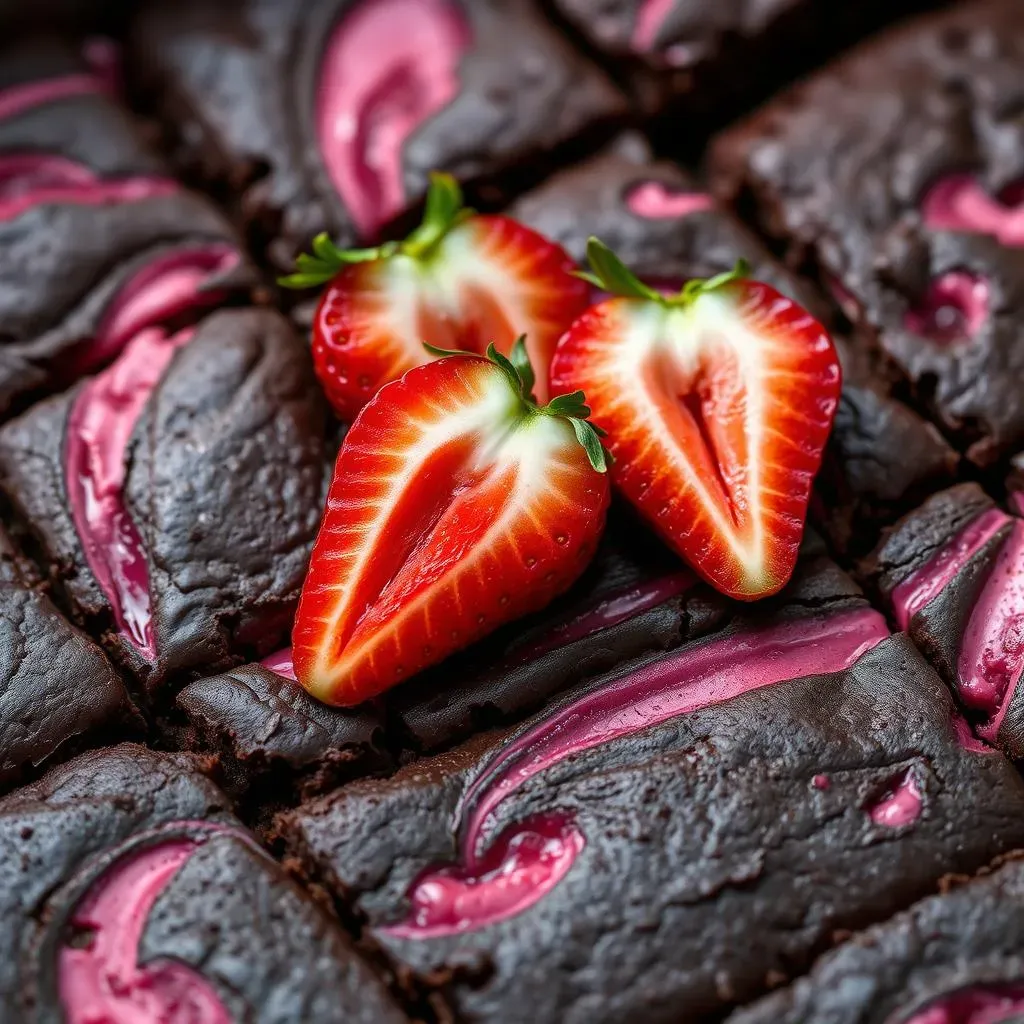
<point>225,481</point>
<point>839,169</point>
<point>945,950</point>
<point>57,690</point>
<point>240,85</point>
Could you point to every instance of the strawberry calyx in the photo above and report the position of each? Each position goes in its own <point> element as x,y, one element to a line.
<point>443,211</point>
<point>611,275</point>
<point>573,408</point>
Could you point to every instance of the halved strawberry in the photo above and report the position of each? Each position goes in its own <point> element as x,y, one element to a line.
<point>457,504</point>
<point>717,403</point>
<point>460,281</point>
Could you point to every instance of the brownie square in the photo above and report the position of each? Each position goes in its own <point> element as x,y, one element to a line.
<point>895,172</point>
<point>96,240</point>
<point>951,574</point>
<point>57,689</point>
<point>706,58</point>
<point>675,836</point>
<point>176,495</point>
<point>883,458</point>
<point>130,892</point>
<point>331,114</point>
<point>951,958</point>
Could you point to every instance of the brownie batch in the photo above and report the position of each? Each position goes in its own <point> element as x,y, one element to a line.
<point>646,802</point>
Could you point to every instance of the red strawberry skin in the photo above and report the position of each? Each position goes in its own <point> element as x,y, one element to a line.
<point>490,279</point>
<point>717,413</point>
<point>450,513</point>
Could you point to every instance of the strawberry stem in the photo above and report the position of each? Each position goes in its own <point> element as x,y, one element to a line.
<point>573,407</point>
<point>610,274</point>
<point>443,211</point>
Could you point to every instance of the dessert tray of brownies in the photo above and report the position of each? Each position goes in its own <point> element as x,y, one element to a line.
<point>512,511</point>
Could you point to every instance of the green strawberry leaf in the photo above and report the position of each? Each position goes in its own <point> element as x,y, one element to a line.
<point>520,360</point>
<point>442,212</point>
<point>327,260</point>
<point>612,275</point>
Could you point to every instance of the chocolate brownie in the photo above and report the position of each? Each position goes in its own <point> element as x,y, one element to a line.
<point>679,834</point>
<point>330,114</point>
<point>952,574</point>
<point>957,958</point>
<point>176,495</point>
<point>706,57</point>
<point>268,730</point>
<point>883,458</point>
<point>130,893</point>
<point>57,690</point>
<point>896,174</point>
<point>96,240</point>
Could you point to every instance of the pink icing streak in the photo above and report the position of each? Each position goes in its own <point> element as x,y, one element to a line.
<point>281,663</point>
<point>991,1004</point>
<point>686,681</point>
<point>649,19</point>
<point>16,99</point>
<point>389,66</point>
<point>103,982</point>
<point>607,613</point>
<point>522,865</point>
<point>965,737</point>
<point>28,180</point>
<point>656,201</point>
<point>100,425</point>
<point>959,203</point>
<point>992,653</point>
<point>165,288</point>
<point>900,804</point>
<point>954,309</point>
<point>926,583</point>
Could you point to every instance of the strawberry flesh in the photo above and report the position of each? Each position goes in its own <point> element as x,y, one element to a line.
<point>717,409</point>
<point>456,505</point>
<point>462,281</point>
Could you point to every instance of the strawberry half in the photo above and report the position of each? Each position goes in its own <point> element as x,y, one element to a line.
<point>457,504</point>
<point>717,403</point>
<point>460,281</point>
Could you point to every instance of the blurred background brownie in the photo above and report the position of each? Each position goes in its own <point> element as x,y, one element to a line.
<point>97,241</point>
<point>330,115</point>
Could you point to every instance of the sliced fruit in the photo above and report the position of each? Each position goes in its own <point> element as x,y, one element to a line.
<point>717,403</point>
<point>457,504</point>
<point>460,281</point>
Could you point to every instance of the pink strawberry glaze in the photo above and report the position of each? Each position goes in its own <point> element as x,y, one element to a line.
<point>959,203</point>
<point>926,583</point>
<point>165,288</point>
<point>521,866</point>
<point>686,681</point>
<point>281,663</point>
<point>104,983</point>
<point>28,180</point>
<point>610,612</point>
<point>992,652</point>
<point>992,1004</point>
<point>100,425</point>
<point>965,737</point>
<point>954,310</point>
<point>16,99</point>
<point>654,200</point>
<point>649,19</point>
<point>389,66</point>
<point>900,804</point>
